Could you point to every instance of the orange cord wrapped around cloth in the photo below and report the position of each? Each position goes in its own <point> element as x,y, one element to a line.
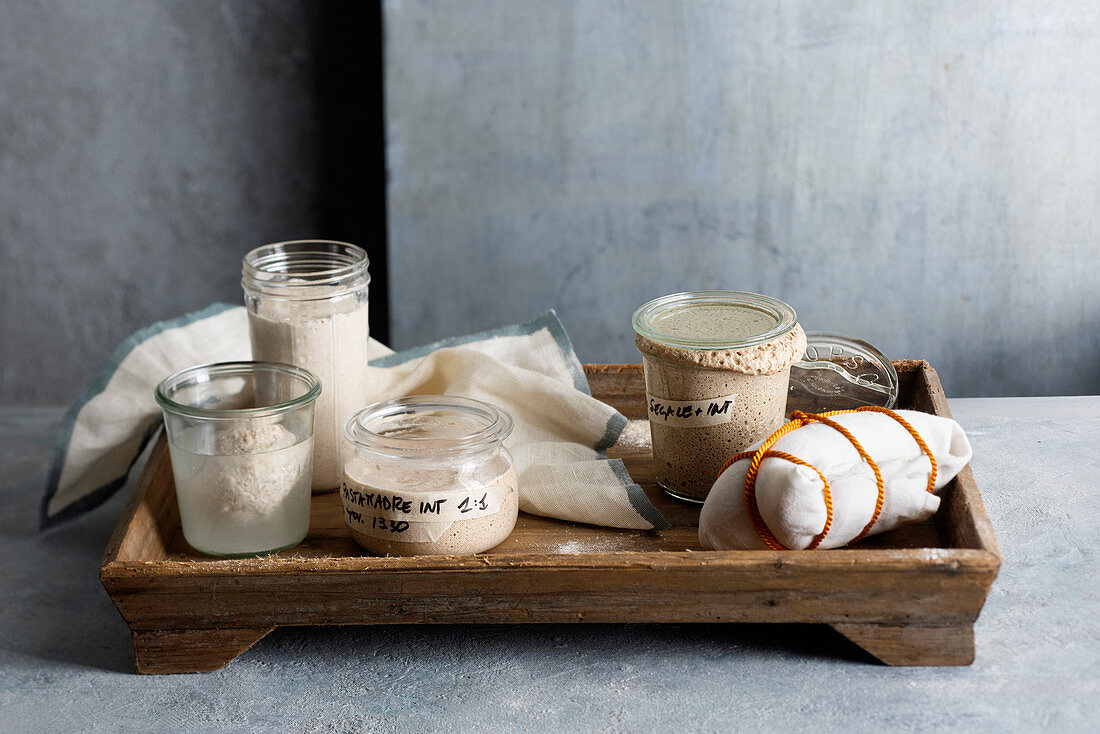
<point>826,480</point>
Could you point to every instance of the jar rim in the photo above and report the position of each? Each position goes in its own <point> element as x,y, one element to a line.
<point>205,372</point>
<point>645,317</point>
<point>291,269</point>
<point>496,425</point>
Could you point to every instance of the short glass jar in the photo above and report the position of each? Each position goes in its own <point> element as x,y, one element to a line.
<point>430,476</point>
<point>307,306</point>
<point>240,436</point>
<point>717,366</point>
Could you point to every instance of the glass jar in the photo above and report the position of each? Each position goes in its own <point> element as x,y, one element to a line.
<point>717,366</point>
<point>307,306</point>
<point>430,476</point>
<point>240,436</point>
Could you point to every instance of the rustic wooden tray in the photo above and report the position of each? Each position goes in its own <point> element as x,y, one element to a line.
<point>909,597</point>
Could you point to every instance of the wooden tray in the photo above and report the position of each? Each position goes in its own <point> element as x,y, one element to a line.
<point>909,597</point>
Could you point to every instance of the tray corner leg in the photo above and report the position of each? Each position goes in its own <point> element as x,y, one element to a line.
<point>913,645</point>
<point>191,650</point>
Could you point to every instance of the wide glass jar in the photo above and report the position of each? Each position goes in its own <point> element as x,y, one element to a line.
<point>307,306</point>
<point>430,476</point>
<point>717,366</point>
<point>240,436</point>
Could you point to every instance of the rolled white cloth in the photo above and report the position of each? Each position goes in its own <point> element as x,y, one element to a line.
<point>790,497</point>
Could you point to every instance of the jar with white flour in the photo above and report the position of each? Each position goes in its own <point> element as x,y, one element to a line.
<point>430,476</point>
<point>307,306</point>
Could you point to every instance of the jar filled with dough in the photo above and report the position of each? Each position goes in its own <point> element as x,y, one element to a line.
<point>429,476</point>
<point>307,306</point>
<point>717,367</point>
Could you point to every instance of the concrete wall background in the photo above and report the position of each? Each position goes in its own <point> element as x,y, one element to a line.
<point>144,147</point>
<point>923,175</point>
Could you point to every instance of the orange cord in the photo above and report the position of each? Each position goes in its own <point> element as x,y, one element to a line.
<point>799,419</point>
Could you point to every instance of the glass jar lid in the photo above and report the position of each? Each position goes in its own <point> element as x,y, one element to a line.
<point>428,426</point>
<point>714,320</point>
<point>838,373</point>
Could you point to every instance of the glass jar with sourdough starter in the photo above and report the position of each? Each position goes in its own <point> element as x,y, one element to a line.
<point>430,476</point>
<point>717,366</point>
<point>240,436</point>
<point>307,306</point>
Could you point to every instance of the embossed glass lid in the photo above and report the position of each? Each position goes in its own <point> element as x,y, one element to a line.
<point>714,320</point>
<point>838,373</point>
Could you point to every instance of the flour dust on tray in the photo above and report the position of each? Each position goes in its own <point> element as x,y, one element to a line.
<point>247,496</point>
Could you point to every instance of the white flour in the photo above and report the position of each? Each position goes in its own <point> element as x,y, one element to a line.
<point>333,347</point>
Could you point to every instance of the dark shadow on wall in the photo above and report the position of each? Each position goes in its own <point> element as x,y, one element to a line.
<point>352,146</point>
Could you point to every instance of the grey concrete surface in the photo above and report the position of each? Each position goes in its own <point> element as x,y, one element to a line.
<point>144,147</point>
<point>65,659</point>
<point>919,174</point>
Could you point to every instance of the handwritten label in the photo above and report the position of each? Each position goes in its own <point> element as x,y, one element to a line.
<point>692,413</point>
<point>416,516</point>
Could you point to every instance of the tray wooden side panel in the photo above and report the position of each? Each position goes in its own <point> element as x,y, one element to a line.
<point>885,587</point>
<point>908,597</point>
<point>149,520</point>
<point>963,519</point>
<point>619,385</point>
<point>900,609</point>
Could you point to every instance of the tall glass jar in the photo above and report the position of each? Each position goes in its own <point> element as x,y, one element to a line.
<point>717,366</point>
<point>307,306</point>
<point>430,476</point>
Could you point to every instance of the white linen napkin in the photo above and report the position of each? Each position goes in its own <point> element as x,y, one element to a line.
<point>561,432</point>
<point>560,436</point>
<point>790,497</point>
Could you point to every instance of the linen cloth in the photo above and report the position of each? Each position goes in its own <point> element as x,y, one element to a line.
<point>559,441</point>
<point>789,496</point>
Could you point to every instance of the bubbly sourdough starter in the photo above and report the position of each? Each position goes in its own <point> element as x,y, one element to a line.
<point>250,496</point>
<point>333,347</point>
<point>364,478</point>
<point>690,448</point>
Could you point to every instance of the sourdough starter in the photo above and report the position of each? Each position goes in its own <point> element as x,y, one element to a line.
<point>387,486</point>
<point>329,339</point>
<point>250,496</point>
<point>705,405</point>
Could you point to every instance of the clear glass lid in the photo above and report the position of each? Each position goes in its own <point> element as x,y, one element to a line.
<point>714,320</point>
<point>838,373</point>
